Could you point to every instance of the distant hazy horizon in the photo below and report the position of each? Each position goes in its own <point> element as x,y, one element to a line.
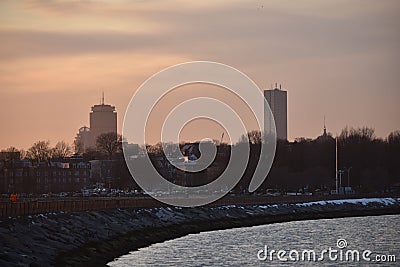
<point>336,59</point>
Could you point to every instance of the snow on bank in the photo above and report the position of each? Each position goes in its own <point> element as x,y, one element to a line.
<point>363,201</point>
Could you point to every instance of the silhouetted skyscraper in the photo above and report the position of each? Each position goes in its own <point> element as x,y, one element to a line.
<point>277,100</point>
<point>103,119</point>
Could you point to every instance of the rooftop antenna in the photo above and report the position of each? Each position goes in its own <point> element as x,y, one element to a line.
<point>280,86</point>
<point>102,99</point>
<point>324,127</point>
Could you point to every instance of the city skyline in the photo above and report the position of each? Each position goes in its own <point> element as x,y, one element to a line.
<point>335,59</point>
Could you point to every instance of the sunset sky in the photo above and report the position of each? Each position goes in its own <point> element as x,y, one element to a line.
<point>338,58</point>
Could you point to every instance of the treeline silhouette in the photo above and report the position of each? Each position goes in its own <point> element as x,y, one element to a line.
<point>367,163</point>
<point>108,146</point>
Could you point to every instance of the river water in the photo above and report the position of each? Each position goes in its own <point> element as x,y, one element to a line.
<point>335,242</point>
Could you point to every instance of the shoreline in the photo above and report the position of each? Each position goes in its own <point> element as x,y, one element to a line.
<point>101,253</point>
<point>94,238</point>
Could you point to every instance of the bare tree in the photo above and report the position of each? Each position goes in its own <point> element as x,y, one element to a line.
<point>364,133</point>
<point>255,137</point>
<point>22,153</point>
<point>344,135</point>
<point>394,138</point>
<point>11,149</point>
<point>155,150</point>
<point>302,140</point>
<point>357,135</point>
<point>109,143</point>
<point>40,151</point>
<point>61,150</point>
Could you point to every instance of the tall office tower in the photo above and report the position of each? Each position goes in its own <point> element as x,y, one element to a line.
<point>103,119</point>
<point>277,100</point>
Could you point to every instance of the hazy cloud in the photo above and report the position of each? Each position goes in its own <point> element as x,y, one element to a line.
<point>267,33</point>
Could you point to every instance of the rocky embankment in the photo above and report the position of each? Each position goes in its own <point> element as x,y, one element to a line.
<point>96,237</point>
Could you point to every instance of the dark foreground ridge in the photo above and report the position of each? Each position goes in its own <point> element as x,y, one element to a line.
<point>97,237</point>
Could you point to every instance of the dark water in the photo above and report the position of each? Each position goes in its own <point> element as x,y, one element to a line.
<point>239,247</point>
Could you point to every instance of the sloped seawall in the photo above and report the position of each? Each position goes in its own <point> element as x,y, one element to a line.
<point>94,238</point>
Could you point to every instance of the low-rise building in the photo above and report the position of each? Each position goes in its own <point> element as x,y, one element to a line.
<point>66,175</point>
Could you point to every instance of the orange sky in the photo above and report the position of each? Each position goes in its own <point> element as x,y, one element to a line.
<point>336,58</point>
